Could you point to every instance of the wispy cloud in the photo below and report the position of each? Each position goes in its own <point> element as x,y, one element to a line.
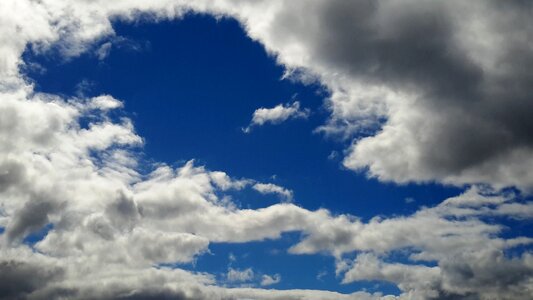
<point>270,188</point>
<point>267,280</point>
<point>103,51</point>
<point>278,114</point>
<point>237,276</point>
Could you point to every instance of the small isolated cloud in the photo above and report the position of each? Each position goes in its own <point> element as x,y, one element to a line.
<point>270,280</point>
<point>104,103</point>
<point>334,155</point>
<point>122,43</point>
<point>276,115</point>
<point>409,200</point>
<point>320,276</point>
<point>236,275</point>
<point>270,188</point>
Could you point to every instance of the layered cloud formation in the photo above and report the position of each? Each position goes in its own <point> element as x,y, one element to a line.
<point>440,89</point>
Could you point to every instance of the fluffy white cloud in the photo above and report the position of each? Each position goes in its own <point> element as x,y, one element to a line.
<point>278,114</point>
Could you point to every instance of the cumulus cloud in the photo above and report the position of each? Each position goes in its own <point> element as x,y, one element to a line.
<point>444,83</point>
<point>278,114</point>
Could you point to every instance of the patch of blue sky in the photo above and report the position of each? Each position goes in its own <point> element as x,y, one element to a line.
<point>38,235</point>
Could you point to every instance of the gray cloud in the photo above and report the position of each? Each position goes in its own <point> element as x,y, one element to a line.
<point>12,174</point>
<point>19,278</point>
<point>32,217</point>
<point>465,121</point>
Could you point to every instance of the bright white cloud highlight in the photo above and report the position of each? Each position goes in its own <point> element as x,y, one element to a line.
<point>278,114</point>
<point>270,188</point>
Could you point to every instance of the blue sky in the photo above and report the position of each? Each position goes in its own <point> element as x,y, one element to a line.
<point>125,150</point>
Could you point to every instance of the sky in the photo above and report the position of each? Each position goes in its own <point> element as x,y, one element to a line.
<point>266,149</point>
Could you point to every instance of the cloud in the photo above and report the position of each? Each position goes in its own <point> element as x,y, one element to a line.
<point>409,200</point>
<point>278,114</point>
<point>18,278</point>
<point>270,188</point>
<point>320,276</point>
<point>440,90</point>
<point>103,51</point>
<point>270,280</point>
<point>450,251</point>
<point>105,102</point>
<point>30,218</point>
<point>235,275</point>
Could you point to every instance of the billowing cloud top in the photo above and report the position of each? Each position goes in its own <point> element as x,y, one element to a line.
<point>442,87</point>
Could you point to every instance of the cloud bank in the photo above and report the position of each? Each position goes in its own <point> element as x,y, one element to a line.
<point>441,88</point>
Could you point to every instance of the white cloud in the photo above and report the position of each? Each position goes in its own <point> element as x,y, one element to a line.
<point>278,114</point>
<point>105,102</point>
<point>419,280</point>
<point>224,182</point>
<point>270,188</point>
<point>235,275</point>
<point>468,256</point>
<point>112,226</point>
<point>270,280</point>
<point>103,51</point>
